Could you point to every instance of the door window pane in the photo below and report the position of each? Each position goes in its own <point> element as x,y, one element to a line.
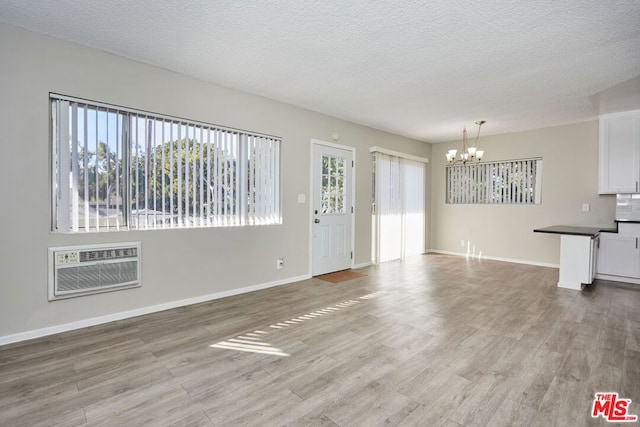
<point>333,190</point>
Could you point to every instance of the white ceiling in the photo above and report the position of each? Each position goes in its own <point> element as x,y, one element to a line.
<point>417,68</point>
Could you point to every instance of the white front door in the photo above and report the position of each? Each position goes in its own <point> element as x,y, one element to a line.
<point>332,209</point>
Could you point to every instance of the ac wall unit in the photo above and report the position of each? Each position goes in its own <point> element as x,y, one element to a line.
<point>84,270</point>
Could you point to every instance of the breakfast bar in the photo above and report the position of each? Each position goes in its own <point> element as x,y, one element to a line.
<point>578,253</point>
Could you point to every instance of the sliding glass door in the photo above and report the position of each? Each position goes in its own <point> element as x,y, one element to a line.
<point>399,207</point>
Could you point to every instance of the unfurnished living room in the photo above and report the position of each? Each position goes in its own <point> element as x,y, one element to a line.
<point>320,213</point>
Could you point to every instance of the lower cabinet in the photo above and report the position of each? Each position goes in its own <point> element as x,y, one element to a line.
<point>619,255</point>
<point>578,257</point>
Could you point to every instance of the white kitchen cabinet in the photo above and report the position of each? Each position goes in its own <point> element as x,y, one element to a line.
<point>578,254</point>
<point>619,153</point>
<point>619,255</point>
<point>576,261</point>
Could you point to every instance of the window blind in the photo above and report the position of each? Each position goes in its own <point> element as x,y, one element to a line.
<point>124,169</point>
<point>399,214</point>
<point>504,182</point>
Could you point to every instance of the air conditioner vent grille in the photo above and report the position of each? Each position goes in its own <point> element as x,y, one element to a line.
<point>85,270</point>
<point>96,276</point>
<point>108,254</point>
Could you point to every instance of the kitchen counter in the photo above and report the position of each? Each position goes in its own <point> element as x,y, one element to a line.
<point>578,251</point>
<point>573,230</point>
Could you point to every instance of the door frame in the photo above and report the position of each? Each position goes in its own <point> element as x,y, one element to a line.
<point>313,143</point>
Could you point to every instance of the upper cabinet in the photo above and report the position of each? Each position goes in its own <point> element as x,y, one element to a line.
<point>619,157</point>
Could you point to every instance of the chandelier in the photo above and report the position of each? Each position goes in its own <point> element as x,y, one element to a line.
<point>469,152</point>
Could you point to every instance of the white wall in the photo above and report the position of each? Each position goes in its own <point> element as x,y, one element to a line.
<point>177,264</point>
<point>570,179</point>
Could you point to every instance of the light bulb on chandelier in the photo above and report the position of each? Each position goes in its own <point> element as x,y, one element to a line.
<point>469,153</point>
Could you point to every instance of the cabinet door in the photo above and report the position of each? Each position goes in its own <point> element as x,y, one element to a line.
<point>619,168</point>
<point>619,255</point>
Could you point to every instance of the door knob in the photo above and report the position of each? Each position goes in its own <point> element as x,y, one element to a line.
<point>317,221</point>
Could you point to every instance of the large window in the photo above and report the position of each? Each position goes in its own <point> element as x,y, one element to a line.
<point>505,182</point>
<point>118,168</point>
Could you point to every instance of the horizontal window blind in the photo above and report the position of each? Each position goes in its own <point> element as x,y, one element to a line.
<point>504,182</point>
<point>121,169</point>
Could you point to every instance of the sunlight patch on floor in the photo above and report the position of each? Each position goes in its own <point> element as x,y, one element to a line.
<point>252,341</point>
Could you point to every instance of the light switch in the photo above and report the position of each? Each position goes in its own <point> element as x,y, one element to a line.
<point>302,198</point>
<point>586,207</point>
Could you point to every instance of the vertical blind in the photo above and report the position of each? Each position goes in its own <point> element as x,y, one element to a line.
<point>511,181</point>
<point>399,207</point>
<point>117,169</point>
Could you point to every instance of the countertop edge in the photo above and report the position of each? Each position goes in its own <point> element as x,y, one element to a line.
<point>573,230</point>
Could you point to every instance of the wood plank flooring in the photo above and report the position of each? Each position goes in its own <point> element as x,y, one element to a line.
<point>434,340</point>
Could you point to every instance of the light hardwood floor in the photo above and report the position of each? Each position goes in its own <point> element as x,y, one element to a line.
<point>434,340</point>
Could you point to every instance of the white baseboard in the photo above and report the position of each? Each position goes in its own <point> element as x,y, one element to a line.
<point>515,261</point>
<point>362,264</point>
<point>618,279</point>
<point>37,333</point>
<point>571,285</point>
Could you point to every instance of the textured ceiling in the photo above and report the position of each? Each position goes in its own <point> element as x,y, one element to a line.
<point>417,68</point>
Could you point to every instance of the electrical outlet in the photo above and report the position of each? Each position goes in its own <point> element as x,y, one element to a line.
<point>586,207</point>
<point>462,243</point>
<point>280,263</point>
